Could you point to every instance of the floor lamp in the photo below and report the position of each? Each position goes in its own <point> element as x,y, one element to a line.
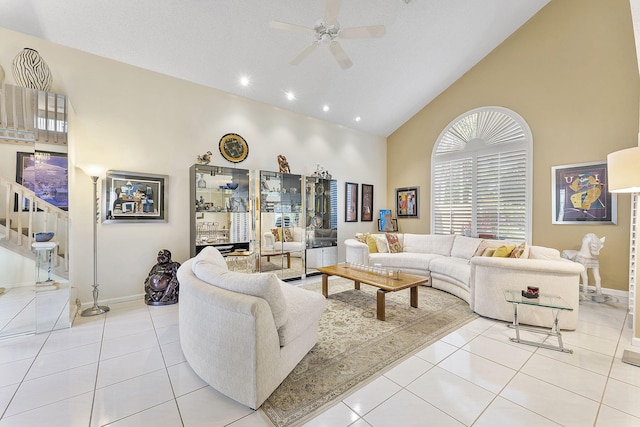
<point>95,309</point>
<point>624,177</point>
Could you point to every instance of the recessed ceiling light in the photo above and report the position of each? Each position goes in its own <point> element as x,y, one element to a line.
<point>290,96</point>
<point>244,81</point>
<point>325,108</point>
<point>357,119</point>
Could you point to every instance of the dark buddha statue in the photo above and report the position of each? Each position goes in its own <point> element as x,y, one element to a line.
<point>161,286</point>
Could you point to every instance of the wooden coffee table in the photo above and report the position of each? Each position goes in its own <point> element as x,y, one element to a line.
<point>271,253</point>
<point>384,284</point>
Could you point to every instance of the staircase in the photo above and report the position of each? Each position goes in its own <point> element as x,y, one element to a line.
<point>17,226</point>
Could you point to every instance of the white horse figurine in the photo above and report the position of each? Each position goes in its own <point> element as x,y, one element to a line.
<point>588,257</point>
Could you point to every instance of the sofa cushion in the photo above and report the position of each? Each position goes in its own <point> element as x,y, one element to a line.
<point>456,268</point>
<point>521,251</point>
<point>465,247</point>
<point>540,252</point>
<point>371,244</point>
<point>393,243</point>
<point>504,251</point>
<point>210,255</point>
<point>262,285</point>
<point>428,243</point>
<point>303,308</point>
<point>403,260</point>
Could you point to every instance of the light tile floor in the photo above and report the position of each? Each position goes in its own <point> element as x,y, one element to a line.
<point>126,368</point>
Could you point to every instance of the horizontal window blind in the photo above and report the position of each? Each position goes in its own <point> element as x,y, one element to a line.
<point>452,196</point>
<point>501,202</point>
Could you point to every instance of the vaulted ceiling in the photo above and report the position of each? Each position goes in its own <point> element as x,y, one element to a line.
<point>427,45</point>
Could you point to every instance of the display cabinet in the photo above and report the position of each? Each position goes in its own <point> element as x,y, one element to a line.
<point>322,223</point>
<point>280,229</point>
<point>220,209</point>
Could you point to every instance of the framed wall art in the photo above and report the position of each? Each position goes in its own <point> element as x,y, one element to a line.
<point>366,211</point>
<point>351,202</point>
<point>46,174</point>
<point>407,202</point>
<point>580,194</point>
<point>386,222</point>
<point>134,197</point>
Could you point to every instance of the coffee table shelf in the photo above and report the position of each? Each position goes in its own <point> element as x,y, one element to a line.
<point>553,302</point>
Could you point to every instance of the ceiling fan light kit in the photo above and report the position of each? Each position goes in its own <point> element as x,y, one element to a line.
<point>326,32</point>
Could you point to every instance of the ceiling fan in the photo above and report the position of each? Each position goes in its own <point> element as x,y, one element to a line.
<point>326,32</point>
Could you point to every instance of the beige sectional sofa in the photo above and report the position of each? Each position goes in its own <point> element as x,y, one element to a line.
<point>454,264</point>
<point>243,333</point>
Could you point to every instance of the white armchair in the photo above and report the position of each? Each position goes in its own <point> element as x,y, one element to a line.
<point>297,245</point>
<point>243,333</point>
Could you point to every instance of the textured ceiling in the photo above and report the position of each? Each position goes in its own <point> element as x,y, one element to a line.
<point>427,46</point>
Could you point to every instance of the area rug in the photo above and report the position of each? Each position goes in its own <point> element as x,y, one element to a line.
<point>354,345</point>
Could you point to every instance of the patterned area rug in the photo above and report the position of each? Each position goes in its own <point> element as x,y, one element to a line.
<point>354,345</point>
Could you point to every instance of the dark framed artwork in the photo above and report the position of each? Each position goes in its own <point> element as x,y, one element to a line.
<point>351,202</point>
<point>134,197</point>
<point>580,194</point>
<point>46,174</point>
<point>407,202</point>
<point>366,211</point>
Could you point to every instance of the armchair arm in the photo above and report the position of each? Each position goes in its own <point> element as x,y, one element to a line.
<point>356,252</point>
<point>269,239</point>
<point>489,276</point>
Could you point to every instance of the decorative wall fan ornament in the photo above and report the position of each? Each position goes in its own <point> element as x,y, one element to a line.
<point>326,32</point>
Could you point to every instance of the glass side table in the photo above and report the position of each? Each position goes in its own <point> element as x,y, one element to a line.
<point>553,302</point>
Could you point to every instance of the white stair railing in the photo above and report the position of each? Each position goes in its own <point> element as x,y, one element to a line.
<point>20,225</point>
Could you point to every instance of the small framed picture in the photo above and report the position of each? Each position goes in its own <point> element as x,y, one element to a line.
<point>580,194</point>
<point>351,202</point>
<point>407,202</point>
<point>366,213</point>
<point>134,197</point>
<point>46,174</point>
<point>386,222</point>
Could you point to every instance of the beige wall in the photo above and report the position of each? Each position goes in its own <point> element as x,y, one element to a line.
<point>126,118</point>
<point>572,73</point>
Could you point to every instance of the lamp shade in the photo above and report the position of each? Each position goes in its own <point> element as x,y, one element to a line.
<point>624,171</point>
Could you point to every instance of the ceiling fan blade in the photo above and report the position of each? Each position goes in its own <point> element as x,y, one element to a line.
<point>306,52</point>
<point>331,13</point>
<point>340,55</point>
<point>362,32</point>
<point>291,27</point>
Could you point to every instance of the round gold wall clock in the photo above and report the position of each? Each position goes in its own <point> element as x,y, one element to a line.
<point>233,147</point>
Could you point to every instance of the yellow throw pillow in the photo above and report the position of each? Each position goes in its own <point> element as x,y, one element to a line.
<point>276,234</point>
<point>488,252</point>
<point>371,242</point>
<point>504,251</point>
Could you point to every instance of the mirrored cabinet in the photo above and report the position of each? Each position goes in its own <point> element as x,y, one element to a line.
<point>220,209</point>
<point>265,221</point>
<point>280,228</point>
<point>322,223</point>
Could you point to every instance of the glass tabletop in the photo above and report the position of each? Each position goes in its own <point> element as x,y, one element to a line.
<point>544,300</point>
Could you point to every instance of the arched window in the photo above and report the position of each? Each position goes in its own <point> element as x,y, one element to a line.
<point>481,176</point>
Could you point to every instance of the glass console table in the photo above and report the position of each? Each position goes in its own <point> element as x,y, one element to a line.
<point>553,302</point>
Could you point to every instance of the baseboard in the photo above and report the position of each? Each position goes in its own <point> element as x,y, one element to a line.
<point>623,296</point>
<point>114,300</point>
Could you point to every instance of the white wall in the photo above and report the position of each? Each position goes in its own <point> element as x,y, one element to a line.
<point>126,118</point>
